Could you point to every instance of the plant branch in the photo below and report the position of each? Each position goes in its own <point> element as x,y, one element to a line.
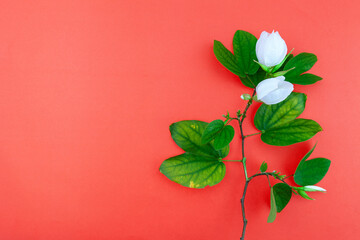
<point>267,174</point>
<point>248,179</point>
<point>241,120</point>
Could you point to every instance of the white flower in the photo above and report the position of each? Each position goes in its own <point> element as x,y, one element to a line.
<point>314,189</point>
<point>271,49</point>
<point>273,90</point>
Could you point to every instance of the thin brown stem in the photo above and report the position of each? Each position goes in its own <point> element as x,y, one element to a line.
<point>267,174</point>
<point>241,120</point>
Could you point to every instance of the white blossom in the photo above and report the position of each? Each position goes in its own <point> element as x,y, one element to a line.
<point>271,49</point>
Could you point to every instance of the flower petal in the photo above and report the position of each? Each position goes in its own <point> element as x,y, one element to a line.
<point>266,86</point>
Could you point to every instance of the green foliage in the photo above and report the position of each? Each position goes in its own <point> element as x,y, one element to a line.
<point>226,58</point>
<point>201,164</point>
<point>277,175</point>
<point>278,123</point>
<point>206,144</point>
<point>298,130</point>
<point>263,167</point>
<point>273,210</point>
<point>302,62</point>
<point>224,138</point>
<point>244,44</point>
<point>252,81</point>
<point>194,171</point>
<point>272,116</point>
<point>211,130</point>
<point>282,194</point>
<point>224,151</point>
<point>241,63</point>
<point>306,79</point>
<point>187,135</point>
<point>310,172</point>
<point>304,194</point>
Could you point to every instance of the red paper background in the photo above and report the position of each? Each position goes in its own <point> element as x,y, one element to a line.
<point>89,88</point>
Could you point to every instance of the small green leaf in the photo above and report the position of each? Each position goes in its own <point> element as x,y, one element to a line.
<point>193,171</point>
<point>211,130</point>
<point>282,73</point>
<point>282,195</point>
<point>272,116</point>
<point>226,58</point>
<point>187,135</point>
<point>264,67</point>
<point>224,151</point>
<point>244,44</point>
<point>304,79</point>
<point>247,82</point>
<point>224,137</point>
<point>272,214</point>
<point>304,194</point>
<point>263,167</point>
<point>298,130</point>
<point>312,171</point>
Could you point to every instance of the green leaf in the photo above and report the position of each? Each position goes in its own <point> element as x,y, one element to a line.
<point>281,73</point>
<point>312,171</point>
<point>272,116</point>
<point>211,130</point>
<point>272,214</point>
<point>307,155</point>
<point>247,82</point>
<point>298,130</point>
<point>302,62</point>
<point>263,167</point>
<point>224,137</point>
<point>194,171</point>
<point>304,79</point>
<point>226,58</point>
<point>264,67</point>
<point>282,195</point>
<point>244,44</point>
<point>304,194</point>
<point>224,151</point>
<point>187,135</point>
<point>254,79</point>
<point>278,123</point>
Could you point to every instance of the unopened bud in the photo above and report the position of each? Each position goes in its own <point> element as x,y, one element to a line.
<point>313,189</point>
<point>245,96</point>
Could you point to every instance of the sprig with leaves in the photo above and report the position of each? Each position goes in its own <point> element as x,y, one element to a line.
<point>271,74</point>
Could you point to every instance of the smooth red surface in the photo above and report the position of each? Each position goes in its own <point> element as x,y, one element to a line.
<point>89,88</point>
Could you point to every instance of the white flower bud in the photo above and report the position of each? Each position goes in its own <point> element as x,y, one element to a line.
<point>313,189</point>
<point>245,96</point>
<point>271,49</point>
<point>274,90</point>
